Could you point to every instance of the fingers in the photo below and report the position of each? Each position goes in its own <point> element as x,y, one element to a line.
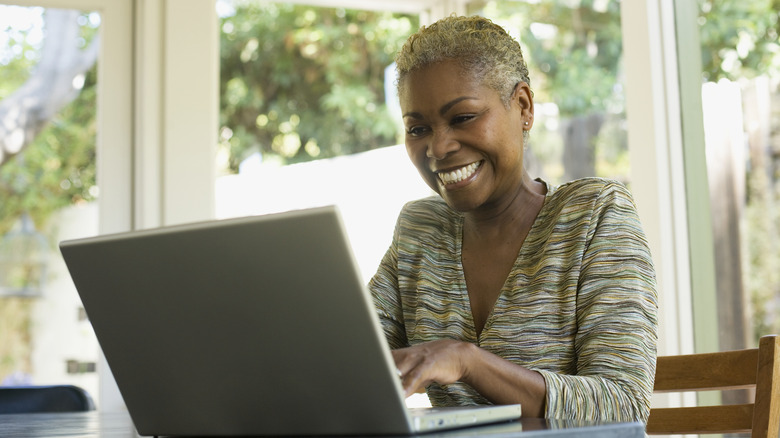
<point>408,363</point>
<point>408,370</point>
<point>423,364</point>
<point>414,382</point>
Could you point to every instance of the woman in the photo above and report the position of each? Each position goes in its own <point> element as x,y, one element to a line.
<point>503,289</point>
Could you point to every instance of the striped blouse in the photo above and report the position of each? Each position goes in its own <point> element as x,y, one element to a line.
<point>579,306</point>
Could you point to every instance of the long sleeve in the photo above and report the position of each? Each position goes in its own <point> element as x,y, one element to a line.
<point>387,299</point>
<point>616,317</point>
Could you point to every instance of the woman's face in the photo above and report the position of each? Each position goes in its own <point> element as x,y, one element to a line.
<point>466,144</point>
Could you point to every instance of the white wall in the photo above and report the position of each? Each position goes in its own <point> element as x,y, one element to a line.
<point>369,188</point>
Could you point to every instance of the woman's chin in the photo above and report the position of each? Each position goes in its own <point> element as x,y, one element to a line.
<point>460,203</point>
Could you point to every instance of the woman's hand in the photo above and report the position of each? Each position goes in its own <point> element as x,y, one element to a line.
<point>443,361</point>
<point>446,361</point>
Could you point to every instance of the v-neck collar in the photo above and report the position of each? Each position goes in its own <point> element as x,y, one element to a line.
<point>516,266</point>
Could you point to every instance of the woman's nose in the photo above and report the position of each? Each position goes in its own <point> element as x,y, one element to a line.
<point>441,145</point>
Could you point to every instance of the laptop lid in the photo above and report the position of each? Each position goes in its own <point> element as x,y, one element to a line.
<point>259,325</point>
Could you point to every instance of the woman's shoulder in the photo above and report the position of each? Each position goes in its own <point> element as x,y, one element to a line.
<point>430,208</point>
<point>593,186</point>
<point>589,190</point>
<point>430,213</point>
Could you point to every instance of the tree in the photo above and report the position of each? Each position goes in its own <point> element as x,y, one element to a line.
<point>739,39</point>
<point>48,123</point>
<point>300,83</point>
<point>56,80</point>
<point>47,132</point>
<point>739,44</point>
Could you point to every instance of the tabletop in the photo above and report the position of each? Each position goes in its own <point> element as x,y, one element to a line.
<point>118,425</point>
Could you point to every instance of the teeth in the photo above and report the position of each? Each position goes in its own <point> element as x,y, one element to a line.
<point>458,175</point>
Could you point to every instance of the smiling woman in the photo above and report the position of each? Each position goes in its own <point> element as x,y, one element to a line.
<point>503,288</point>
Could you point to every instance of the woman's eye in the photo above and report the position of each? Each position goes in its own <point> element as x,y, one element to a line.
<point>415,131</point>
<point>462,118</point>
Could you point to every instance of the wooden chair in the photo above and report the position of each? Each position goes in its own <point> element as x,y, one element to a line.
<point>757,368</point>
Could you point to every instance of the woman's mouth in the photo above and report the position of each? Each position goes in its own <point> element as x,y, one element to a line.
<point>458,175</point>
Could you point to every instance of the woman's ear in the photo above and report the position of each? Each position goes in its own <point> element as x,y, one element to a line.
<point>524,98</point>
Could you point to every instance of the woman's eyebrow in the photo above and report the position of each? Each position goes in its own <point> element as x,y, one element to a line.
<point>443,110</point>
<point>447,106</point>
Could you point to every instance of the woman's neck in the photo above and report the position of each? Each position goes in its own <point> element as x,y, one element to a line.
<point>518,213</point>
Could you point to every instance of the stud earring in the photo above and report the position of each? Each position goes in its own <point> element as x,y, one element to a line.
<point>526,123</point>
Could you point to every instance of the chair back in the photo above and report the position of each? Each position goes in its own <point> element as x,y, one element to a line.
<point>756,368</point>
<point>38,399</point>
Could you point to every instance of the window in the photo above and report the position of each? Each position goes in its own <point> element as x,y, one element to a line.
<point>54,180</point>
<point>741,93</point>
<point>49,189</point>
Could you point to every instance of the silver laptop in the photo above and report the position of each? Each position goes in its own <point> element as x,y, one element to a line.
<point>251,326</point>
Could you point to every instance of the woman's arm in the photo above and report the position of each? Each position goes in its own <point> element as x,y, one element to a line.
<point>447,361</point>
<point>616,319</point>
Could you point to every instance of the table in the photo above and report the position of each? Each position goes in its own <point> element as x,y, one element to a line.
<point>118,425</point>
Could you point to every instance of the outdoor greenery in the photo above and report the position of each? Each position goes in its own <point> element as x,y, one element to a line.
<point>300,83</point>
<point>58,168</point>
<point>740,41</point>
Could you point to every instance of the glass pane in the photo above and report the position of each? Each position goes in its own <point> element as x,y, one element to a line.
<point>574,54</point>
<point>309,116</point>
<point>741,106</point>
<point>49,192</point>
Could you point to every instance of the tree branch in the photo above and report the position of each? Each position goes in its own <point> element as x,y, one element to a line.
<point>53,84</point>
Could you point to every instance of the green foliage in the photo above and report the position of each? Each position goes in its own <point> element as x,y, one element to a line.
<point>573,50</point>
<point>739,38</point>
<point>17,56</point>
<point>762,232</point>
<point>301,83</point>
<point>58,168</point>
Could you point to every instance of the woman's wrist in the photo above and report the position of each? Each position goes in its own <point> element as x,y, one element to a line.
<point>469,357</point>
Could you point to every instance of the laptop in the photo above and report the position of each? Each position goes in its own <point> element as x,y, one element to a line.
<point>251,326</point>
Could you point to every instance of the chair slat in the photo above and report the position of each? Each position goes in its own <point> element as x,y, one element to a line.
<point>702,419</point>
<point>724,370</point>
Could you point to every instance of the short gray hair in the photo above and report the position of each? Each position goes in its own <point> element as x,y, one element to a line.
<point>480,46</point>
